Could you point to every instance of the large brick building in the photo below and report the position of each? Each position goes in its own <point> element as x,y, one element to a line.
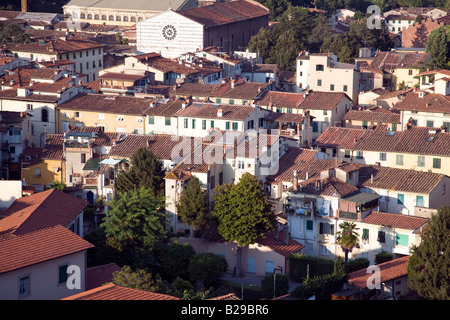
<point>228,25</point>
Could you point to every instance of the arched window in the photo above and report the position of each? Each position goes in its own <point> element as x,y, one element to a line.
<point>103,17</point>
<point>111,18</point>
<point>140,19</point>
<point>125,19</point>
<point>44,115</point>
<point>82,16</point>
<point>96,17</point>
<point>118,18</point>
<point>89,16</point>
<point>133,19</point>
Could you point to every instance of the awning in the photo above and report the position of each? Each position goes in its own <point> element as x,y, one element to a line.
<point>362,197</point>
<point>92,164</point>
<point>110,161</point>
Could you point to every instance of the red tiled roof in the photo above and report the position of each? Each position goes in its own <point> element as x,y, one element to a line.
<point>328,187</point>
<point>394,220</point>
<point>107,104</point>
<point>278,245</point>
<point>389,270</point>
<point>319,100</point>
<point>241,90</point>
<point>160,145</point>
<point>100,275</point>
<point>114,292</point>
<point>431,102</point>
<point>41,210</point>
<point>229,296</point>
<point>39,246</point>
<point>281,99</point>
<point>338,137</point>
<point>55,47</point>
<point>221,13</point>
<point>211,110</point>
<point>393,60</point>
<point>373,116</point>
<point>53,148</point>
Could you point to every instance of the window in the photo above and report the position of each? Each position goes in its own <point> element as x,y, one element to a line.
<point>12,149</point>
<point>167,121</point>
<point>325,112</point>
<point>24,286</point>
<point>365,234</point>
<point>62,274</point>
<point>319,67</point>
<point>382,156</point>
<point>315,126</point>
<point>419,201</point>
<point>193,123</point>
<point>29,106</point>
<point>324,250</point>
<point>364,124</point>
<point>288,110</point>
<point>347,153</point>
<point>37,172</point>
<point>381,237</point>
<point>203,124</point>
<point>212,182</point>
<point>436,163</point>
<point>186,123</point>
<point>83,158</point>
<point>120,118</point>
<point>250,124</point>
<point>87,64</point>
<point>430,123</point>
<point>447,126</point>
<point>260,122</point>
<point>231,101</point>
<point>227,125</point>
<point>400,198</point>
<point>212,124</point>
<point>101,116</point>
<point>421,161</point>
<point>359,154</point>
<point>235,126</point>
<point>331,87</point>
<point>399,159</point>
<point>410,72</point>
<point>218,100</point>
<point>402,239</point>
<point>241,164</point>
<point>309,225</point>
<point>345,88</point>
<point>326,228</point>
<point>319,82</point>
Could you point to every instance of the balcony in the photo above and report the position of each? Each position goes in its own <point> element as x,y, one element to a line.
<point>90,181</point>
<point>348,215</point>
<point>73,145</point>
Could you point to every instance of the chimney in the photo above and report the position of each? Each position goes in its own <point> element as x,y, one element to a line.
<point>295,187</point>
<point>371,179</point>
<point>114,142</point>
<point>219,113</point>
<point>232,83</point>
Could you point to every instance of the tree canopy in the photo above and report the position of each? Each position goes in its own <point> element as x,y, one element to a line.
<point>146,171</point>
<point>438,45</point>
<point>429,263</point>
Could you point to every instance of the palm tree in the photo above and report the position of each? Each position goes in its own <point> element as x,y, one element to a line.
<point>347,237</point>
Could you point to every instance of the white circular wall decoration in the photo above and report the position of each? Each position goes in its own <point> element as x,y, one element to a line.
<point>169,32</point>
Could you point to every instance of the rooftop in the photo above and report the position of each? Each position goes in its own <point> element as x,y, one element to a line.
<point>394,220</point>
<point>39,211</point>
<point>39,246</point>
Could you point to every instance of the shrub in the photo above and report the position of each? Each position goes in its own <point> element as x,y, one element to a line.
<point>207,267</point>
<point>383,256</point>
<point>281,285</point>
<point>298,265</point>
<point>356,264</point>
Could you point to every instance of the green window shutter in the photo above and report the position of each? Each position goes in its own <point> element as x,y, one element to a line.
<point>231,101</point>
<point>62,277</point>
<point>309,224</point>
<point>365,235</point>
<point>193,123</point>
<point>167,119</point>
<point>394,127</point>
<point>218,100</point>
<point>402,239</point>
<point>204,124</point>
<point>400,198</point>
<point>212,124</point>
<point>436,163</point>
<point>419,201</point>
<point>235,126</point>
<point>227,125</point>
<point>151,120</point>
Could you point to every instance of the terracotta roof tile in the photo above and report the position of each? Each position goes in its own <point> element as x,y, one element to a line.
<point>373,116</point>
<point>431,102</point>
<point>328,187</point>
<point>53,148</point>
<point>39,211</point>
<point>338,137</point>
<point>225,12</point>
<point>281,99</point>
<point>39,246</point>
<point>114,292</point>
<point>241,90</point>
<point>211,111</point>
<point>278,245</point>
<point>319,100</point>
<point>389,270</point>
<point>100,275</point>
<point>394,220</point>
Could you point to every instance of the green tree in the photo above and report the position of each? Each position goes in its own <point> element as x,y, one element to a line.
<point>383,256</point>
<point>138,279</point>
<point>243,213</point>
<point>429,263</point>
<point>192,207</point>
<point>437,46</point>
<point>137,219</point>
<point>347,237</point>
<point>146,171</point>
<point>281,285</point>
<point>174,260</point>
<point>207,267</point>
<point>12,33</point>
<point>60,186</point>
